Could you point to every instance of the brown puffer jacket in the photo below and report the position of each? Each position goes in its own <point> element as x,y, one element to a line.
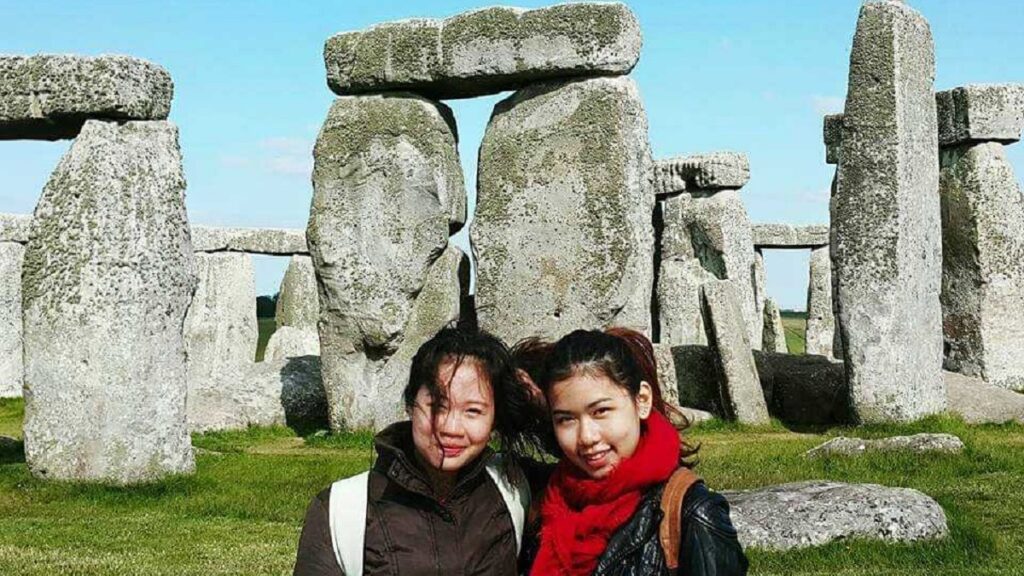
<point>409,531</point>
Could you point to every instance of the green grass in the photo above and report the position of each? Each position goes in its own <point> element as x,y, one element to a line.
<point>242,511</point>
<point>795,325</point>
<point>267,326</point>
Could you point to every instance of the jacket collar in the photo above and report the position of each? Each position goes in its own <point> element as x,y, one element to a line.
<point>636,532</point>
<point>396,459</point>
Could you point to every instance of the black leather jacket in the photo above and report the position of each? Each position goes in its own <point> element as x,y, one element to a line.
<point>708,546</point>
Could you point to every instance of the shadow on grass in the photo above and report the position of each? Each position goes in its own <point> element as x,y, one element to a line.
<point>12,452</point>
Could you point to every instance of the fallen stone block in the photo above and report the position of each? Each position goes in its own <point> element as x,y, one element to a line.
<point>979,402</point>
<point>298,304</point>
<point>15,227</point>
<point>288,341</point>
<point>12,367</point>
<point>802,514</point>
<point>564,207</point>
<point>714,171</point>
<point>484,51</point>
<point>272,241</point>
<point>742,396</point>
<point>886,229</point>
<point>916,444</point>
<point>107,278</point>
<point>296,387</point>
<point>50,96</point>
<point>789,236</point>
<point>980,113</point>
<point>804,390</point>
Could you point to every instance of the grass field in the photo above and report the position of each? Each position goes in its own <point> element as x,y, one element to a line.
<point>242,511</point>
<point>795,325</point>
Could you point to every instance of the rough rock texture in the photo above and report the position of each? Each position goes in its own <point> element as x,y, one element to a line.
<point>297,302</point>
<point>667,373</point>
<point>774,337</point>
<point>387,189</point>
<point>804,390</point>
<point>705,236</point>
<point>108,275</point>
<point>274,241</point>
<point>760,279</point>
<point>714,171</point>
<point>287,342</point>
<point>885,219</point>
<point>220,341</point>
<point>982,264</point>
<point>979,402</point>
<point>821,323</point>
<point>789,236</point>
<point>816,512</point>
<point>697,378</point>
<point>484,51</point>
<point>295,385</point>
<point>915,444</point>
<point>11,366</point>
<point>742,397</point>
<point>980,113</point>
<point>15,227</point>
<point>564,208</point>
<point>833,132</point>
<point>49,96</point>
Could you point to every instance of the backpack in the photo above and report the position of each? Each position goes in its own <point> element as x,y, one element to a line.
<point>670,530</point>
<point>347,513</point>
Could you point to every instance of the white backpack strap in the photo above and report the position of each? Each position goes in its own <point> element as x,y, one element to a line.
<point>347,518</point>
<point>517,498</point>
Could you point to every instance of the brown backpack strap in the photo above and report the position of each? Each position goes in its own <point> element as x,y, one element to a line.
<point>669,533</point>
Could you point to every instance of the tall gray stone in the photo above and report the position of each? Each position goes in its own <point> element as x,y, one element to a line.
<point>485,51</point>
<point>387,189</point>
<point>11,366</point>
<point>564,208</point>
<point>739,385</point>
<point>108,275</point>
<point>774,332</point>
<point>50,96</point>
<point>760,280</point>
<point>982,264</point>
<point>297,302</point>
<point>706,235</point>
<point>821,323</point>
<point>885,219</point>
<point>220,340</point>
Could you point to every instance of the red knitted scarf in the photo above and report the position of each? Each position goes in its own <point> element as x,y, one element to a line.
<point>579,514</point>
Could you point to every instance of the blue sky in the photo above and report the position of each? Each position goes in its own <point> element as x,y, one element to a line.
<point>250,92</point>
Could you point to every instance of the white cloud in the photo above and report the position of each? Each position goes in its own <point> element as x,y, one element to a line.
<point>827,104</point>
<point>285,155</point>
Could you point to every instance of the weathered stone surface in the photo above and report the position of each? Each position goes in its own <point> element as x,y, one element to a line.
<point>694,416</point>
<point>697,378</point>
<point>742,397</point>
<point>816,512</point>
<point>564,208</point>
<point>220,342</point>
<point>714,171</point>
<point>774,337</point>
<point>980,113</point>
<point>979,402</point>
<point>760,279</point>
<point>885,219</point>
<point>50,96</point>
<point>666,373</point>
<point>484,51</point>
<point>833,132</point>
<point>274,241</point>
<point>11,366</point>
<point>15,227</point>
<point>108,275</point>
<point>804,390</point>
<point>704,237</point>
<point>915,444</point>
<point>298,304</point>
<point>789,236</point>
<point>288,341</point>
<point>821,323</point>
<point>982,264</point>
<point>295,385</point>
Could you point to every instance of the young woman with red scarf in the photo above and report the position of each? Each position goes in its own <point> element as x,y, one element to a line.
<point>601,511</point>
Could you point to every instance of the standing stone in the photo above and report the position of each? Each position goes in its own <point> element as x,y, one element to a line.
<point>821,324</point>
<point>742,396</point>
<point>983,264</point>
<point>11,366</point>
<point>387,189</point>
<point>774,332</point>
<point>220,340</point>
<point>297,302</point>
<point>563,234</point>
<point>885,219</point>
<point>760,290</point>
<point>107,279</point>
<point>706,235</point>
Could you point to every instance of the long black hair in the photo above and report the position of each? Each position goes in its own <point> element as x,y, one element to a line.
<point>516,417</point>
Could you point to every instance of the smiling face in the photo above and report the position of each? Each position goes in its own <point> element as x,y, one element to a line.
<point>597,422</point>
<point>459,429</point>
